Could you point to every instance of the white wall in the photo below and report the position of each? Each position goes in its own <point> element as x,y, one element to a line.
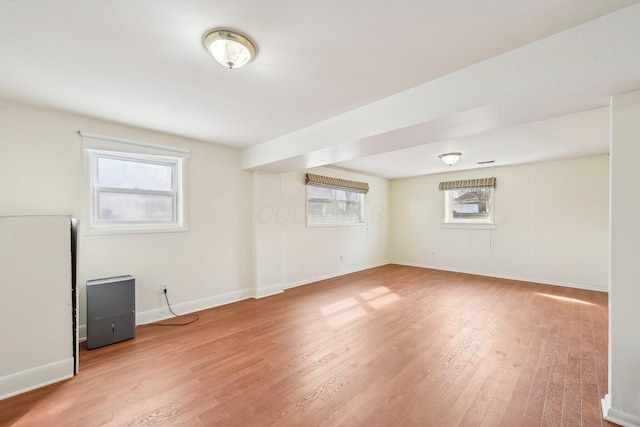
<point>226,255</point>
<point>210,264</point>
<point>552,224</point>
<point>622,404</point>
<point>267,243</point>
<point>288,253</point>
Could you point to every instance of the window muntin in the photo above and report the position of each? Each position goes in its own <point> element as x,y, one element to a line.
<point>135,191</point>
<point>328,206</point>
<point>474,205</point>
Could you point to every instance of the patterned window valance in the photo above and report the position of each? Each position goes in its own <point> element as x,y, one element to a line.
<point>465,184</point>
<point>337,183</point>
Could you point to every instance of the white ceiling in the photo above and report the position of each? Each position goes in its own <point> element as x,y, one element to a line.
<point>374,86</point>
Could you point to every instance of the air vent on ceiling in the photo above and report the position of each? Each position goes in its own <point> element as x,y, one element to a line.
<point>486,162</point>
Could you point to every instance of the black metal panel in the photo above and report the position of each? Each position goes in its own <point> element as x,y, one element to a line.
<point>111,314</point>
<point>74,299</point>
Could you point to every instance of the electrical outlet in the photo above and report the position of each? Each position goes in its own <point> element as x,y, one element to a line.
<point>341,257</point>
<point>165,288</point>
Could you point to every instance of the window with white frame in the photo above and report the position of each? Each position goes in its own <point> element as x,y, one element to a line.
<point>469,201</point>
<point>334,201</point>
<point>135,186</point>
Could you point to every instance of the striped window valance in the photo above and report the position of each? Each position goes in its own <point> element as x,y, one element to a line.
<point>337,183</point>
<point>465,184</point>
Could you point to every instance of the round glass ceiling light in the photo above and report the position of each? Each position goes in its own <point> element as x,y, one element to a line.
<point>230,49</point>
<point>450,158</point>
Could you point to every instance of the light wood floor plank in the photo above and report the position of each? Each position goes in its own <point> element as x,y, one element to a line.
<point>389,346</point>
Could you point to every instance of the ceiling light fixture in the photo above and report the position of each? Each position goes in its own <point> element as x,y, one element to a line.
<point>450,158</point>
<point>228,48</point>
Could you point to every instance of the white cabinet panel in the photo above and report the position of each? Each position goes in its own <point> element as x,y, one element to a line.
<point>36,329</point>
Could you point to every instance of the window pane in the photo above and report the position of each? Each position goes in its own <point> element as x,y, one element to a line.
<point>473,204</point>
<point>121,173</point>
<point>348,211</point>
<point>347,195</point>
<point>470,214</point>
<point>327,206</point>
<point>320,208</point>
<point>135,207</point>
<point>314,192</point>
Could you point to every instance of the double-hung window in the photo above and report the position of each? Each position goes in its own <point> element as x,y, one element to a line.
<point>135,186</point>
<point>469,201</point>
<point>334,201</point>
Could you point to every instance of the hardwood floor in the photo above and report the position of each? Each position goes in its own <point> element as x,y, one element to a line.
<point>390,346</point>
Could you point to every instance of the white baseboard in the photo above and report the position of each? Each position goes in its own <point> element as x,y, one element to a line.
<point>157,314</point>
<point>509,277</point>
<point>617,415</point>
<point>40,376</point>
<point>267,291</point>
<point>163,313</point>
<point>330,276</point>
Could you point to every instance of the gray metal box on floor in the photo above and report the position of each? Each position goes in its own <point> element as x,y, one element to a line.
<point>111,310</point>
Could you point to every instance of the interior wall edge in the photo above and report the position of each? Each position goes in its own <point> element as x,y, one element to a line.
<point>332,275</point>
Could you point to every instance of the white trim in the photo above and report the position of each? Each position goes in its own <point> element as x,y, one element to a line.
<point>618,416</point>
<point>267,291</point>
<point>154,315</point>
<point>330,276</point>
<point>37,216</point>
<point>508,277</point>
<point>163,313</point>
<point>179,194</point>
<point>470,226</point>
<point>448,213</point>
<point>31,379</point>
<point>355,224</point>
<point>157,314</point>
<point>98,142</point>
<point>138,229</point>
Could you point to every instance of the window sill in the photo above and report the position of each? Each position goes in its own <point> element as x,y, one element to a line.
<point>357,224</point>
<point>470,225</point>
<point>99,231</point>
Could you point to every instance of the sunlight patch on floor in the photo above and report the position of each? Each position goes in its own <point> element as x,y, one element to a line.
<point>349,309</point>
<point>347,316</point>
<point>565,299</point>
<point>375,293</point>
<point>341,305</point>
<point>383,301</point>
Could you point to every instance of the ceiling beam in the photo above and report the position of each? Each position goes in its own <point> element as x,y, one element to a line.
<point>574,70</point>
